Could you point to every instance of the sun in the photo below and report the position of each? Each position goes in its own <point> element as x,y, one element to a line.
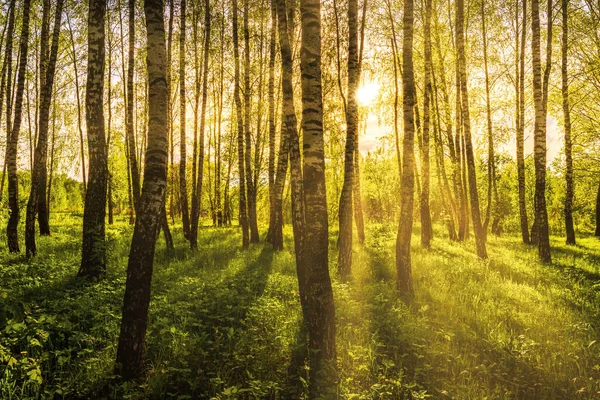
<point>367,93</point>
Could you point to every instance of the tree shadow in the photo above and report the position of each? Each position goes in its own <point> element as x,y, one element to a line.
<point>409,345</point>
<point>195,334</point>
<point>397,365</point>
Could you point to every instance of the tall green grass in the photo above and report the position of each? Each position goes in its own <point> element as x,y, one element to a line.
<point>226,322</point>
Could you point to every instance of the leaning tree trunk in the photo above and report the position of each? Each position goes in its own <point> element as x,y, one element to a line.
<point>403,260</point>
<point>466,122</point>
<point>93,256</point>
<point>183,196</point>
<point>291,139</point>
<point>570,231</point>
<point>37,194</point>
<point>345,208</point>
<point>320,306</point>
<point>426,226</point>
<point>131,348</point>
<point>540,99</point>
<point>240,127</point>
<point>13,143</point>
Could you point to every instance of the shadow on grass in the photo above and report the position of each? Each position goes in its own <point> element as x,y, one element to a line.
<point>397,366</point>
<point>199,338</point>
<point>409,343</point>
<point>296,371</point>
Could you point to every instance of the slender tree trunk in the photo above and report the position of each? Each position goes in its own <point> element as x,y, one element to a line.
<point>282,170</point>
<point>597,231</point>
<point>197,89</point>
<point>42,205</point>
<point>170,168</point>
<point>125,109</point>
<point>13,144</point>
<point>426,225</point>
<point>463,222</point>
<point>52,152</point>
<point>221,88</point>
<point>129,129</point>
<point>455,194</point>
<point>570,231</point>
<point>291,139</point>
<point>93,256</point>
<point>6,84</point>
<point>37,195</point>
<point>226,197</point>
<point>250,192</point>
<point>540,98</point>
<point>447,199</point>
<point>521,128</point>
<point>356,192</point>
<point>78,98</point>
<point>466,120</point>
<point>109,120</point>
<point>396,101</point>
<point>320,306</point>
<point>403,260</point>
<point>240,127</point>
<point>259,146</point>
<point>272,133</point>
<point>491,160</point>
<point>131,348</point>
<point>345,208</point>
<point>197,201</point>
<point>171,105</point>
<point>183,195</point>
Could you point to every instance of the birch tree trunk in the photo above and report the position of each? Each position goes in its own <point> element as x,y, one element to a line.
<point>129,128</point>
<point>13,143</point>
<point>540,98</point>
<point>93,256</point>
<point>183,195</point>
<point>320,306</point>
<point>466,122</point>
<point>6,85</point>
<point>240,129</point>
<point>570,231</point>
<point>345,209</point>
<point>131,347</point>
<point>491,168</point>
<point>426,226</point>
<point>37,194</point>
<point>521,131</point>
<point>250,191</point>
<point>404,282</point>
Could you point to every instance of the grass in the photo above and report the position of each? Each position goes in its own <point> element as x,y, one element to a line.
<point>225,323</point>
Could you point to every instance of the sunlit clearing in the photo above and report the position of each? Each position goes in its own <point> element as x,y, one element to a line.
<point>367,93</point>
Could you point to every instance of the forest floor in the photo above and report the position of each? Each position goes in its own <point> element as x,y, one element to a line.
<point>225,323</point>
